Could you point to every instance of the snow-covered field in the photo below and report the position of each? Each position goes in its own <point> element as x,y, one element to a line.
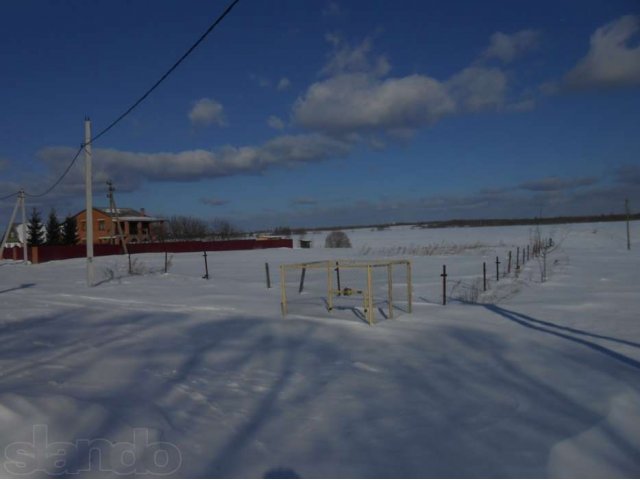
<point>173,374</point>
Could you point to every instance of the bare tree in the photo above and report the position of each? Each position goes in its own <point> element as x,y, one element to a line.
<point>184,227</point>
<point>282,231</point>
<point>337,239</point>
<point>224,229</point>
<point>543,247</point>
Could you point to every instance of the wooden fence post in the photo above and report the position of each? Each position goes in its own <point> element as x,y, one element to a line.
<point>390,288</point>
<point>409,288</point>
<point>283,291</point>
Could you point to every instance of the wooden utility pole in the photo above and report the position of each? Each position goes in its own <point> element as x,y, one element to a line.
<point>626,208</point>
<point>8,231</point>
<point>115,219</point>
<point>89,200</point>
<point>25,255</point>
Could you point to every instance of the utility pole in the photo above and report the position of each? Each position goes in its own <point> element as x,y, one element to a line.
<point>6,234</point>
<point>626,208</point>
<point>116,220</point>
<point>89,200</point>
<point>25,255</point>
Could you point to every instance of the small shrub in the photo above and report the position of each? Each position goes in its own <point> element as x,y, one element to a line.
<point>467,292</point>
<point>337,239</point>
<point>108,274</point>
<point>138,268</point>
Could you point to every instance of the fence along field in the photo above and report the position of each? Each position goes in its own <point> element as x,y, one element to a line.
<point>49,253</point>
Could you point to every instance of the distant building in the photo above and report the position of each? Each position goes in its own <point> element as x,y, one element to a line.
<point>136,226</point>
<point>17,234</point>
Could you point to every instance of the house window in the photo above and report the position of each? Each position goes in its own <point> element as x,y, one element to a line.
<point>101,225</point>
<point>84,226</point>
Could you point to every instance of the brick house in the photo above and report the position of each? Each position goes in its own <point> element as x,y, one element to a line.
<point>136,225</point>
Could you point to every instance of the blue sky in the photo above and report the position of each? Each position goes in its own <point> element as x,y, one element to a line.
<point>327,112</point>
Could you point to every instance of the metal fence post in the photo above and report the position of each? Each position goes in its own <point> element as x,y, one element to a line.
<point>444,284</point>
<point>484,276</point>
<point>206,267</point>
<point>301,287</point>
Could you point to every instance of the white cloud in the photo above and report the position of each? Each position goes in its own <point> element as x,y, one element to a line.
<point>611,60</point>
<point>525,105</point>
<point>275,122</point>
<point>214,202</point>
<point>129,169</point>
<point>332,9</point>
<point>333,38</point>
<point>358,96</point>
<point>350,103</point>
<point>283,84</point>
<point>478,88</point>
<point>558,198</point>
<point>508,47</point>
<point>262,81</point>
<point>554,184</point>
<point>304,202</point>
<point>207,111</point>
<point>629,174</point>
<point>346,58</point>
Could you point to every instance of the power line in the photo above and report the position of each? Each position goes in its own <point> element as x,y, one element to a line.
<point>169,72</point>
<point>135,104</point>
<point>60,178</point>
<point>7,197</point>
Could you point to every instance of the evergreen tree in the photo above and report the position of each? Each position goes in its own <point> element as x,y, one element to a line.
<point>53,229</point>
<point>70,231</point>
<point>35,236</point>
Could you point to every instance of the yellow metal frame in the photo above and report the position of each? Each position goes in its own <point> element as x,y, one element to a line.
<point>329,265</point>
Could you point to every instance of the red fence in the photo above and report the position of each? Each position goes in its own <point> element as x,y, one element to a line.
<point>48,253</point>
<point>13,253</point>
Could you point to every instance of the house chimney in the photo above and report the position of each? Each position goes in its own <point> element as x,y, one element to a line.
<point>142,212</point>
